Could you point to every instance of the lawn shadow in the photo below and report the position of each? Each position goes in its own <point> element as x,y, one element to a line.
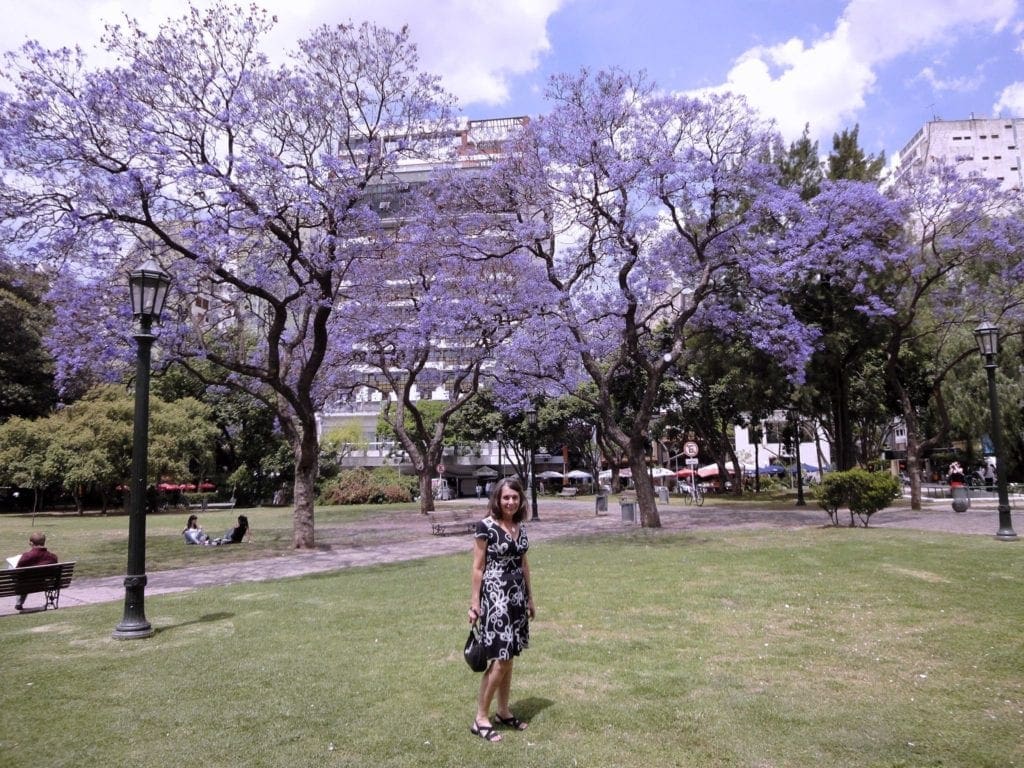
<point>221,616</point>
<point>528,709</point>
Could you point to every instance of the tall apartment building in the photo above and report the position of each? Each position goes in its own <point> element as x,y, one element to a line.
<point>988,146</point>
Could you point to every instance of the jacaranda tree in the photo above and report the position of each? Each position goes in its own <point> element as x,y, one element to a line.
<point>962,261</point>
<point>246,181</point>
<point>431,313</point>
<point>662,218</point>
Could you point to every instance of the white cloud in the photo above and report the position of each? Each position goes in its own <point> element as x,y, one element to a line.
<point>963,84</point>
<point>475,46</point>
<point>827,81</point>
<point>1011,101</point>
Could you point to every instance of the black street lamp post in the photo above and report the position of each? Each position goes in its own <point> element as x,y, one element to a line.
<point>149,284</point>
<point>501,464</point>
<point>987,336</point>
<point>800,502</point>
<point>531,419</point>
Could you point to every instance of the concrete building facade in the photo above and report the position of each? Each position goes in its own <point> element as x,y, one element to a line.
<point>989,147</point>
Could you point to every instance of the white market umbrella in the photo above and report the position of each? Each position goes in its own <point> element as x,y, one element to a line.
<point>578,474</point>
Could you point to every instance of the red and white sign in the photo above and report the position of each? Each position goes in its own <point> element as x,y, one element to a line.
<point>690,449</point>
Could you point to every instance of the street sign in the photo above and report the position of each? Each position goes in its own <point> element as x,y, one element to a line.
<point>692,462</point>
<point>690,449</point>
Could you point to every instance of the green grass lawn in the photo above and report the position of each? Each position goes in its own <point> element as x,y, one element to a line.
<point>832,648</point>
<point>99,543</point>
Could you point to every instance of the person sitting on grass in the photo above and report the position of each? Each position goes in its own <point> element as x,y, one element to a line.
<point>237,534</point>
<point>193,533</point>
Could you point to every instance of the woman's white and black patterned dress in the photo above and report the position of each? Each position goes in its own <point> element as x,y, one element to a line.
<point>503,597</point>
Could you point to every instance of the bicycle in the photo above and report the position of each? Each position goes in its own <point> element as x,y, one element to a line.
<point>693,494</point>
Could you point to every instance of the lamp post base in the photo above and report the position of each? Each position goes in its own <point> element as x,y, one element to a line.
<point>134,625</point>
<point>136,631</point>
<point>1005,532</point>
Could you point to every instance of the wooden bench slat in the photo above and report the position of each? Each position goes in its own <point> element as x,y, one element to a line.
<point>49,579</point>
<point>453,522</point>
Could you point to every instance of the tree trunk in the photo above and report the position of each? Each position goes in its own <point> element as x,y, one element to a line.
<point>306,453</point>
<point>844,456</point>
<point>913,451</point>
<point>426,492</point>
<point>645,499</point>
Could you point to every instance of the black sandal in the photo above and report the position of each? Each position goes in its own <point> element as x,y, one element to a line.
<point>512,722</point>
<point>485,732</point>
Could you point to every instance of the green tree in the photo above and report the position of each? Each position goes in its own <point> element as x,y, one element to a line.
<point>26,368</point>
<point>800,165</point>
<point>248,447</point>
<point>849,161</point>
<point>92,442</point>
<point>24,450</point>
<point>835,308</point>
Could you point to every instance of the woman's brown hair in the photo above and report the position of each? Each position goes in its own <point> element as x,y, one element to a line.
<point>494,503</point>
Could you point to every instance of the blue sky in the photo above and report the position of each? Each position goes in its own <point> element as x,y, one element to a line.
<point>889,66</point>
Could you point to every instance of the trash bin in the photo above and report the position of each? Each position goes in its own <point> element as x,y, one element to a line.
<point>600,504</point>
<point>628,511</point>
<point>961,501</point>
<point>663,494</point>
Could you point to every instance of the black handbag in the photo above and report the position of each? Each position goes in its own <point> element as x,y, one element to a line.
<point>475,653</point>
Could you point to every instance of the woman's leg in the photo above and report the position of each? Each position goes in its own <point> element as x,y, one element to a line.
<point>504,689</point>
<point>492,681</point>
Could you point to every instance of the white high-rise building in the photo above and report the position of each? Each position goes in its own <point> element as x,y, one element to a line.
<point>988,146</point>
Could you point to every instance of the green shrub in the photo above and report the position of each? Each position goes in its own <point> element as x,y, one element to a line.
<point>381,485</point>
<point>860,491</point>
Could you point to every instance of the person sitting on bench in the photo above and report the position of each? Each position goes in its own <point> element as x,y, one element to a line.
<point>37,555</point>
<point>193,533</point>
<point>237,534</point>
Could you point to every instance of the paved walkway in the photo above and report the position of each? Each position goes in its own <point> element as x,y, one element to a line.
<point>407,537</point>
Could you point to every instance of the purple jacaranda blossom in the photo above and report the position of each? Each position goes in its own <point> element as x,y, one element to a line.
<point>247,182</point>
<point>661,218</point>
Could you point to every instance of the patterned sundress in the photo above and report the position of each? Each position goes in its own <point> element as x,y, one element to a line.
<point>505,620</point>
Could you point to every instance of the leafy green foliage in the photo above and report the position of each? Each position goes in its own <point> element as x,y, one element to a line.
<point>381,485</point>
<point>88,445</point>
<point>849,161</point>
<point>26,369</point>
<point>862,492</point>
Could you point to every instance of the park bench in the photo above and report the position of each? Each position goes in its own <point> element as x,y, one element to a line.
<point>50,579</point>
<point>453,521</point>
<point>567,492</point>
<point>219,504</point>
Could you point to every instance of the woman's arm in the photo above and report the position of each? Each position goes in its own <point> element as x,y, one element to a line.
<point>477,580</point>
<point>529,588</point>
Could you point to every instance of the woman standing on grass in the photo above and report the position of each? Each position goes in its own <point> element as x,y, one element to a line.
<point>502,601</point>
